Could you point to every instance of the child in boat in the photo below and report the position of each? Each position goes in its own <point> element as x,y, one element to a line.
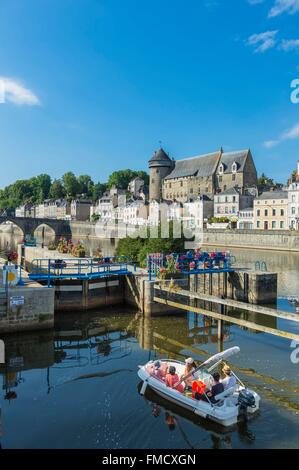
<point>172,378</point>
<point>190,367</point>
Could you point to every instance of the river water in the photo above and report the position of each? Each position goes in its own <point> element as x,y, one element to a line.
<point>77,386</point>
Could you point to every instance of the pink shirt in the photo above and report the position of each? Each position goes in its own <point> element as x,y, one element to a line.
<point>171,380</point>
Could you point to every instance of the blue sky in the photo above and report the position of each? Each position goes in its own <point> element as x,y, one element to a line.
<point>93,85</point>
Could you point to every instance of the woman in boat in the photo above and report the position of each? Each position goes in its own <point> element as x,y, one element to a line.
<point>190,367</point>
<point>172,378</point>
<point>229,379</point>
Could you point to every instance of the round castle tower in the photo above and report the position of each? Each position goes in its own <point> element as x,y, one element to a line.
<point>160,165</point>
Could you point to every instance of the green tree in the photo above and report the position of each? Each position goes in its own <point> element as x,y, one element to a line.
<point>98,190</point>
<point>71,185</point>
<point>57,190</point>
<point>85,185</point>
<point>122,178</point>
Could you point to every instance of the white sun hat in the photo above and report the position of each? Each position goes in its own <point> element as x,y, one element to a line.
<point>189,360</point>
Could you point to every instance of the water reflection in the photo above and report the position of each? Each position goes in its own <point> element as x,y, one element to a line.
<point>82,379</point>
<point>173,417</point>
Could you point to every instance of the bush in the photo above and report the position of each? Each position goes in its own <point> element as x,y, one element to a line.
<point>52,246</point>
<point>139,248</point>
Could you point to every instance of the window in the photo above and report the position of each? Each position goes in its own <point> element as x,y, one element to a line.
<point>293,198</point>
<point>191,191</point>
<point>218,210</point>
<point>157,170</point>
<point>293,210</point>
<point>258,212</point>
<point>220,179</point>
<point>258,224</point>
<point>282,212</point>
<point>266,212</point>
<point>233,177</point>
<point>207,189</point>
<point>233,210</point>
<point>273,212</point>
<point>221,168</point>
<point>224,187</point>
<point>226,209</point>
<point>234,198</point>
<point>153,180</point>
<point>181,184</point>
<point>234,167</point>
<point>281,224</point>
<point>273,224</point>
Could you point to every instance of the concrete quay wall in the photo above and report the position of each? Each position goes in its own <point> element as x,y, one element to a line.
<point>279,240</point>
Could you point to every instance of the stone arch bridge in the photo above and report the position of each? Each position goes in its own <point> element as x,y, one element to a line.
<point>29,225</point>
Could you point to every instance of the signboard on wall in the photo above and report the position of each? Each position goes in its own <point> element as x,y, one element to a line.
<point>17,300</point>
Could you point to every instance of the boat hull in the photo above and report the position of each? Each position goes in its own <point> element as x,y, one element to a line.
<point>224,415</point>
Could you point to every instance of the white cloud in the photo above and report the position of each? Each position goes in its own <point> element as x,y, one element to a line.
<point>262,41</point>
<point>15,92</point>
<point>270,143</point>
<point>289,44</point>
<point>290,134</point>
<point>284,6</point>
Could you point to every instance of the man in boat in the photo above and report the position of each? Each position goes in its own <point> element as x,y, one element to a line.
<point>229,379</point>
<point>217,388</point>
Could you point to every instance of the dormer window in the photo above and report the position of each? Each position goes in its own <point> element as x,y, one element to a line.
<point>234,167</point>
<point>221,169</point>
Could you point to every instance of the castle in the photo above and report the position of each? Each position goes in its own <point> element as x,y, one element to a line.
<point>187,179</point>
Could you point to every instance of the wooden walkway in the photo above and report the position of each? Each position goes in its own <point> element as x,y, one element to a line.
<point>222,317</point>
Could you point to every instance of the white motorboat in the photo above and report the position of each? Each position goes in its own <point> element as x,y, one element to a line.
<point>226,406</point>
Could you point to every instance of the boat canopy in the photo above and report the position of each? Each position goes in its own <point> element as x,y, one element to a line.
<point>220,356</point>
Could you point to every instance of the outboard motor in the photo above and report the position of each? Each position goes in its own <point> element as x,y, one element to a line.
<point>245,400</point>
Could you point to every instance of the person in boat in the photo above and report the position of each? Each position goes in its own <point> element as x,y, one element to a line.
<point>229,379</point>
<point>190,367</point>
<point>157,371</point>
<point>172,378</point>
<point>217,388</point>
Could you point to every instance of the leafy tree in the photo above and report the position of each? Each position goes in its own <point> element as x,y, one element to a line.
<point>98,190</point>
<point>57,190</point>
<point>85,185</point>
<point>140,247</point>
<point>70,184</point>
<point>122,178</point>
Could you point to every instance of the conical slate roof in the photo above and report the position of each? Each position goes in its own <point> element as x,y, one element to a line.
<point>160,156</point>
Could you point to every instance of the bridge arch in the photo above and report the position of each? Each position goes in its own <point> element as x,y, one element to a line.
<point>45,236</point>
<point>13,221</point>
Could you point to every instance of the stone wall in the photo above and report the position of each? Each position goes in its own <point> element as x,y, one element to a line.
<point>36,313</point>
<point>267,240</point>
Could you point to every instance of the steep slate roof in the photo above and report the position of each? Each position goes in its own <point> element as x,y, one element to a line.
<point>160,155</point>
<point>203,165</point>
<point>228,158</point>
<point>273,195</point>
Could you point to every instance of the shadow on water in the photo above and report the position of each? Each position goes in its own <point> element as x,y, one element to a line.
<point>173,414</point>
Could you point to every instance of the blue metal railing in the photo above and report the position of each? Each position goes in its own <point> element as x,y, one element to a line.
<point>189,263</point>
<point>79,268</point>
